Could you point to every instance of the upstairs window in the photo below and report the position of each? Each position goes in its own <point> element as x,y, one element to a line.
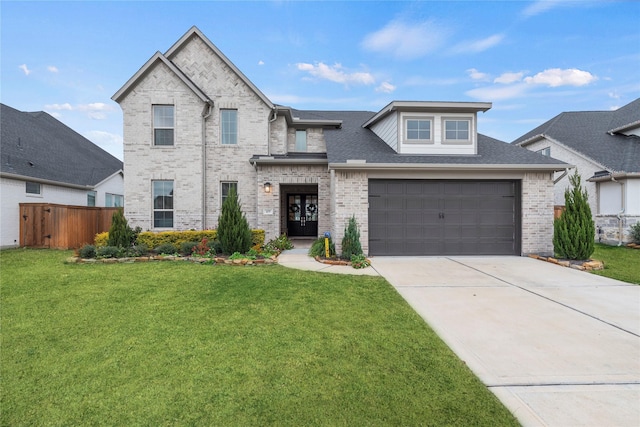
<point>229,127</point>
<point>418,130</point>
<point>113,200</point>
<point>457,130</point>
<point>301,140</point>
<point>91,198</point>
<point>163,124</point>
<point>33,188</point>
<point>545,151</point>
<point>163,204</point>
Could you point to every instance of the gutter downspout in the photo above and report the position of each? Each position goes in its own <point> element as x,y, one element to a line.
<point>206,113</point>
<point>624,208</point>
<point>271,120</point>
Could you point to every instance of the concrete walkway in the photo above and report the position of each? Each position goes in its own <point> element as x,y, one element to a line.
<point>558,347</point>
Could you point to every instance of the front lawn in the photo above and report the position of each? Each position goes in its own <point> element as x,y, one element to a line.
<point>170,343</point>
<point>620,262</point>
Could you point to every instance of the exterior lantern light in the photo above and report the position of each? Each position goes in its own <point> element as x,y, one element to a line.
<point>267,187</point>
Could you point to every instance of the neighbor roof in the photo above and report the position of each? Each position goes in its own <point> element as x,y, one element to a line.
<point>591,134</point>
<point>37,146</point>
<point>354,146</point>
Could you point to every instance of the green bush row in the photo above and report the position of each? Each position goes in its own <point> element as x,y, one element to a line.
<point>177,238</point>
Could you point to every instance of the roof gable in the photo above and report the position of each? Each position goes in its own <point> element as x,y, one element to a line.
<point>589,134</point>
<point>152,62</point>
<point>195,32</point>
<point>36,145</point>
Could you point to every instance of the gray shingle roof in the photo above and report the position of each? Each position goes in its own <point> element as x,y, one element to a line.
<point>587,132</point>
<point>38,146</point>
<point>353,141</point>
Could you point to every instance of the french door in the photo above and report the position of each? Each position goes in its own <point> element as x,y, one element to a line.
<point>302,217</point>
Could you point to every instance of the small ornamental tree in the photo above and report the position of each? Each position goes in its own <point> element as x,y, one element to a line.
<point>574,231</point>
<point>351,240</point>
<point>120,234</point>
<point>234,233</point>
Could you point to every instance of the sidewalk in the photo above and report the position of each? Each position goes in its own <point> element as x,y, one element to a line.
<point>299,259</point>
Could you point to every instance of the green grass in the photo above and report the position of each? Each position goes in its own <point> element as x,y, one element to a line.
<point>185,344</point>
<point>620,262</point>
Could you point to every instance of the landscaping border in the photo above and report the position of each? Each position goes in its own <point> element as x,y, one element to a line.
<point>152,258</point>
<point>576,265</point>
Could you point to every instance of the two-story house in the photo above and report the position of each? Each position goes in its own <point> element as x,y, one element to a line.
<point>418,177</point>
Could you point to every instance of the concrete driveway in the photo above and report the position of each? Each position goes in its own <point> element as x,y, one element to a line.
<point>559,347</point>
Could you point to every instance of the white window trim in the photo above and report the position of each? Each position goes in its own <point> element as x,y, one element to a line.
<point>468,141</point>
<point>228,182</point>
<point>153,125</point>
<point>39,194</point>
<point>546,151</point>
<point>237,143</point>
<point>406,118</point>
<point>153,208</point>
<point>306,141</point>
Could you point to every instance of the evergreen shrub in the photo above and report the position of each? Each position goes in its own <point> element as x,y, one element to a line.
<point>233,229</point>
<point>574,231</point>
<point>351,240</point>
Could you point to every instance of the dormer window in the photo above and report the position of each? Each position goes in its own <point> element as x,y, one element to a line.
<point>418,129</point>
<point>457,130</point>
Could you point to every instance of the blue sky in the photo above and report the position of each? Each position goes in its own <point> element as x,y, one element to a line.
<point>531,59</point>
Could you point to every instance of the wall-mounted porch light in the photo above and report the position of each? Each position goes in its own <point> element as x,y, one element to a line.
<point>267,187</point>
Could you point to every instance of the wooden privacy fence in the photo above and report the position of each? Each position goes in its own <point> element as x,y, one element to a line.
<point>47,225</point>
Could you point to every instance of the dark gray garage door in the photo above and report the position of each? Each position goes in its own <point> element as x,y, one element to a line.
<point>429,217</point>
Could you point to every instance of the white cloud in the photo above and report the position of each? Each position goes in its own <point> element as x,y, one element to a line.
<point>555,77</point>
<point>109,142</point>
<point>477,75</point>
<point>540,6</point>
<point>405,40</point>
<point>52,68</point>
<point>479,45</point>
<point>336,73</point>
<point>385,87</point>
<point>95,110</point>
<point>59,107</point>
<point>496,93</point>
<point>260,62</point>
<point>24,69</point>
<point>508,78</point>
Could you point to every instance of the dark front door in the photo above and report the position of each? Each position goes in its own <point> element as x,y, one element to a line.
<point>303,215</point>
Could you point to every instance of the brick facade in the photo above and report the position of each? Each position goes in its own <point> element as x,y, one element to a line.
<point>197,163</point>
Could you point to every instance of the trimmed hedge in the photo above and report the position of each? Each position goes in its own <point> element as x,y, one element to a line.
<point>177,238</point>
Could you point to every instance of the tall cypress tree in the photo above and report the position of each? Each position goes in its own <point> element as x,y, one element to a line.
<point>574,231</point>
<point>351,240</point>
<point>120,234</point>
<point>234,233</point>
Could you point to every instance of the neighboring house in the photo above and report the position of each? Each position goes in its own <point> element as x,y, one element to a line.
<point>417,176</point>
<point>605,147</point>
<point>44,161</point>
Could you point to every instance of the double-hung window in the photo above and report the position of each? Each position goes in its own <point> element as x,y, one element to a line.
<point>163,124</point>
<point>91,198</point>
<point>301,141</point>
<point>113,200</point>
<point>229,127</point>
<point>163,204</point>
<point>225,190</point>
<point>457,130</point>
<point>418,129</point>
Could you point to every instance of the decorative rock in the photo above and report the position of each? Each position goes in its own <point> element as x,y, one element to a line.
<point>564,263</point>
